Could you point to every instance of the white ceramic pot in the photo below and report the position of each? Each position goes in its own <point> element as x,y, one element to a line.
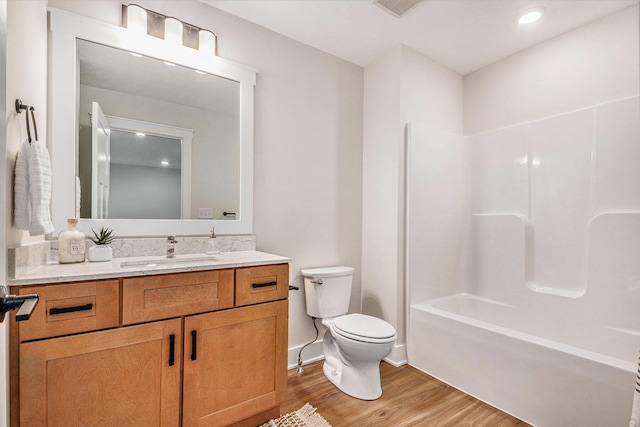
<point>99,253</point>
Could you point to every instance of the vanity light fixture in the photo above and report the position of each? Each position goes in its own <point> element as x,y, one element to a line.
<point>136,19</point>
<point>529,16</point>
<point>144,21</point>
<point>173,31</point>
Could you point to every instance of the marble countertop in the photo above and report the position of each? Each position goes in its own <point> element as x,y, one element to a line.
<point>54,272</point>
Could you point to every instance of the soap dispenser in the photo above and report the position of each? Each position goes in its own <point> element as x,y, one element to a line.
<point>212,248</point>
<point>71,243</point>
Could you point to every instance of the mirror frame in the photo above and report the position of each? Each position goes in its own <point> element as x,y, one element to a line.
<point>64,29</point>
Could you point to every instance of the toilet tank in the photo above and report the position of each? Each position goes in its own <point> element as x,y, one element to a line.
<point>331,298</point>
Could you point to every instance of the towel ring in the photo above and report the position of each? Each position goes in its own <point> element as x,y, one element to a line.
<point>19,107</point>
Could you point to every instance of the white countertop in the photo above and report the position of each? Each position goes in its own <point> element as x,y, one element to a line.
<point>54,272</point>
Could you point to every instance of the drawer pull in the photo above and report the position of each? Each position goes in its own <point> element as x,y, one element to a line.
<point>172,349</point>
<point>263,285</point>
<point>73,309</point>
<point>194,344</point>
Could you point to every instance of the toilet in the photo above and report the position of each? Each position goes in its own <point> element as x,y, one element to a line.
<point>354,344</point>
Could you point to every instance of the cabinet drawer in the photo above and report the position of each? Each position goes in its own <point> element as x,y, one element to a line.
<point>71,308</point>
<point>160,297</point>
<point>260,284</point>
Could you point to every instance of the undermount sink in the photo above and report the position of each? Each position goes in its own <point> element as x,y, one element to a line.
<point>164,261</point>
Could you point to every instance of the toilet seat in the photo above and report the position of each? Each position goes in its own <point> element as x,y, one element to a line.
<point>361,327</point>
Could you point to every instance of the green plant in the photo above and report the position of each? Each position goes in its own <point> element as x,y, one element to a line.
<point>104,237</point>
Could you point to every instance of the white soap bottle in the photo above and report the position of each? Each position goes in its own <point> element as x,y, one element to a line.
<point>212,247</point>
<point>71,243</point>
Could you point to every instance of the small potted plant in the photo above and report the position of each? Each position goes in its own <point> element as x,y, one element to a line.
<point>101,251</point>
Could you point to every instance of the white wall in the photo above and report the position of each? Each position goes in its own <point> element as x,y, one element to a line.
<point>592,64</point>
<point>308,143</point>
<point>400,86</point>
<point>158,187</point>
<point>26,78</point>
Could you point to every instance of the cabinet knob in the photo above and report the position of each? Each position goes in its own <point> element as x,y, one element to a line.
<point>25,304</point>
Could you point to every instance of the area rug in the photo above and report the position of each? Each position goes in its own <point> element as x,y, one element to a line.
<point>303,417</point>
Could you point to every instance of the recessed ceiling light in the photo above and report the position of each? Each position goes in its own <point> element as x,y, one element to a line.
<point>530,16</point>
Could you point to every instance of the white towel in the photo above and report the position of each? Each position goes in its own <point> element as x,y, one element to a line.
<point>635,411</point>
<point>78,197</point>
<point>21,212</point>
<point>33,185</point>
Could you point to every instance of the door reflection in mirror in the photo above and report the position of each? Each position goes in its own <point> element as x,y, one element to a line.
<point>138,170</point>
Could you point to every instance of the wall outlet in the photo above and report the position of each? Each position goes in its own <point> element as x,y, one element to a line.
<point>205,213</point>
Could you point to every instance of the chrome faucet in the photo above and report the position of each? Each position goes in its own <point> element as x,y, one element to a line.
<point>171,241</point>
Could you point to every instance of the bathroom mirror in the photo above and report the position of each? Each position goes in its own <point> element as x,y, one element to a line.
<point>174,100</point>
<point>204,102</point>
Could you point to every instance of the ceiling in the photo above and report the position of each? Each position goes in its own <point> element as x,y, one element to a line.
<point>463,35</point>
<point>113,69</point>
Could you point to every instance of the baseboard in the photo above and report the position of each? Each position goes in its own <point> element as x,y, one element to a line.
<point>311,353</point>
<point>398,355</point>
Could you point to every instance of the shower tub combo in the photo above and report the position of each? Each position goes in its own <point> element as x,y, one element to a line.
<point>523,281</point>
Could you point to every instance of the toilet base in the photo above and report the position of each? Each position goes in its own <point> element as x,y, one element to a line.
<point>354,385</point>
<point>361,383</point>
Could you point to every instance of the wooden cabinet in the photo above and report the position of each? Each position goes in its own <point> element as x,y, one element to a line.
<point>233,363</point>
<point>165,350</point>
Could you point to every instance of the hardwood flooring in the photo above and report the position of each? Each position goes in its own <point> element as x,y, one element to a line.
<point>409,398</point>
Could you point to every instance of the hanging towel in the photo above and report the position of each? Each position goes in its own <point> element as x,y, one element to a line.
<point>635,411</point>
<point>40,190</point>
<point>78,196</point>
<point>33,189</point>
<point>21,212</point>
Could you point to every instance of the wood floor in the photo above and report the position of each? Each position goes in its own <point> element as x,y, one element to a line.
<point>409,398</point>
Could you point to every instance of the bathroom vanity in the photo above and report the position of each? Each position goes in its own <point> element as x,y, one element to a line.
<point>197,342</point>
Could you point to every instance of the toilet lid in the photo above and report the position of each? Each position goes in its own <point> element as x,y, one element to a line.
<point>364,328</point>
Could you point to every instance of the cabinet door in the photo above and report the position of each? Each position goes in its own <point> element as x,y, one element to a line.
<point>127,376</point>
<point>235,364</point>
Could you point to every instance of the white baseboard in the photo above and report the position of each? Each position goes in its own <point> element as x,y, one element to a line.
<point>313,353</point>
<point>398,355</point>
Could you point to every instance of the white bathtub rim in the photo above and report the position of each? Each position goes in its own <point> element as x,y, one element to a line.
<point>428,306</point>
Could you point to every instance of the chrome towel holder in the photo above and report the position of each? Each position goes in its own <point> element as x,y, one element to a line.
<point>19,107</point>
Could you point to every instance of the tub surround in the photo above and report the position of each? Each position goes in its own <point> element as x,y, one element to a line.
<point>522,271</point>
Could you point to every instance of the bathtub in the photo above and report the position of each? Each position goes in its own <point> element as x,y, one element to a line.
<point>556,374</point>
